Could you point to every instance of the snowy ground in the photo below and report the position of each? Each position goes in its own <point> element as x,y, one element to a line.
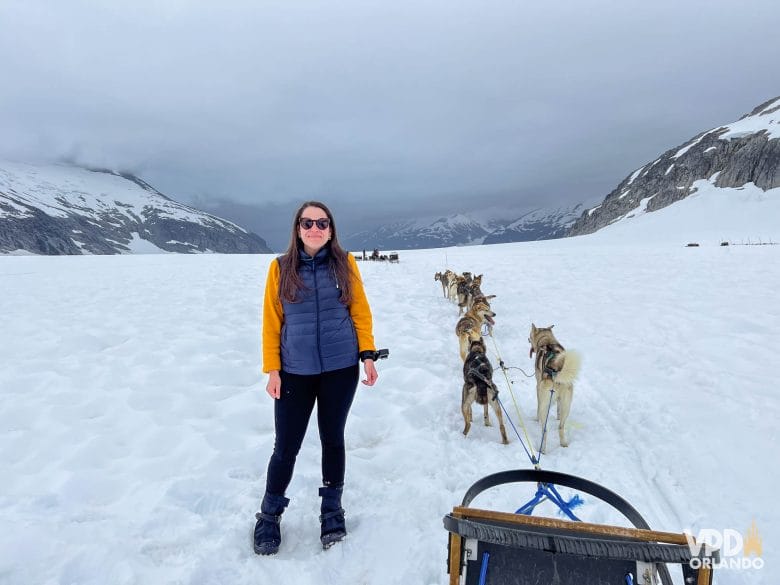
<point>135,429</point>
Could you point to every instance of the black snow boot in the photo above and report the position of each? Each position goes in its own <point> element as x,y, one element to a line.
<point>268,535</point>
<point>332,524</point>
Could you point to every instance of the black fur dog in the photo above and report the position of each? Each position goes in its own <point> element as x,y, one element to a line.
<point>478,387</point>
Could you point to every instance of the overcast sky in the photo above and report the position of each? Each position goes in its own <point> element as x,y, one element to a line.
<point>381,109</point>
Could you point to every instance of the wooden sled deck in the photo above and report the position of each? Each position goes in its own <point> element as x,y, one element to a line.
<point>489,547</point>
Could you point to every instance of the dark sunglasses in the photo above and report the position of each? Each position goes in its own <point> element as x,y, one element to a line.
<point>307,224</point>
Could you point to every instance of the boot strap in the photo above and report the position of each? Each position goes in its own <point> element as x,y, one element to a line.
<point>328,515</point>
<point>269,517</point>
<point>331,491</point>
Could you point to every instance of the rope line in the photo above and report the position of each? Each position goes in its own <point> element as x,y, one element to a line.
<point>519,438</point>
<point>546,420</point>
<point>531,454</point>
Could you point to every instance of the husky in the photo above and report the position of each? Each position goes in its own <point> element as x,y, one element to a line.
<point>483,300</point>
<point>478,387</point>
<point>469,327</point>
<point>474,291</point>
<point>452,287</point>
<point>555,369</point>
<point>462,291</point>
<point>439,277</point>
<point>445,278</point>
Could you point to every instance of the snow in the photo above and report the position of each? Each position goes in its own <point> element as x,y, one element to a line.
<point>135,429</point>
<point>765,120</point>
<point>634,175</point>
<point>709,215</point>
<point>770,106</point>
<point>686,148</point>
<point>140,246</point>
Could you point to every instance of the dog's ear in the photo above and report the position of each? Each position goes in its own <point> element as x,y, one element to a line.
<point>533,328</point>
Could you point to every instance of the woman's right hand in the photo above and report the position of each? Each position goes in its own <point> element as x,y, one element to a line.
<point>274,386</point>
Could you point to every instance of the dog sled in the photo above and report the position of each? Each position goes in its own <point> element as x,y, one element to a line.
<point>490,548</point>
<point>375,256</point>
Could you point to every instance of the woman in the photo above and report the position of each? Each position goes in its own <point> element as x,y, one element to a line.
<point>316,325</point>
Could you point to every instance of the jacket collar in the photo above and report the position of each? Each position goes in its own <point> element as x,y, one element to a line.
<point>320,257</point>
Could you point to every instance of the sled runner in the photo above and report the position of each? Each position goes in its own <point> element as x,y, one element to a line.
<point>489,547</point>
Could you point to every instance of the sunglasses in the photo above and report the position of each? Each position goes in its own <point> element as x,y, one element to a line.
<point>307,224</point>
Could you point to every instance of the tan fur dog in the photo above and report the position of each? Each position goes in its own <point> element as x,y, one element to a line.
<point>555,368</point>
<point>469,327</point>
<point>478,387</point>
<point>474,291</point>
<point>462,291</point>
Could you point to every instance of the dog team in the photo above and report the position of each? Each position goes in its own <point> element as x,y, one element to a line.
<point>555,368</point>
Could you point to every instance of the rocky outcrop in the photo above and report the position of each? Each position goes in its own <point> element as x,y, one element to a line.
<point>741,152</point>
<point>62,209</point>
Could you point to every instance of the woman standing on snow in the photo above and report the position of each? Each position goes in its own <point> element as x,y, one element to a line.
<point>316,325</point>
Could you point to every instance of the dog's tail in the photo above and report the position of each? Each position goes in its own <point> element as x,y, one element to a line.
<point>571,367</point>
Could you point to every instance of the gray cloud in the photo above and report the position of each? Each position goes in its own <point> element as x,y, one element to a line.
<point>376,107</point>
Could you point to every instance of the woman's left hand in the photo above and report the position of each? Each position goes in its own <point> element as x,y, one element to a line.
<point>371,375</point>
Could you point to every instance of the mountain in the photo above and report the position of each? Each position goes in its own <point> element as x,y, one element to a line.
<point>458,229</point>
<point>539,224</point>
<point>727,157</point>
<point>65,209</point>
<point>465,229</point>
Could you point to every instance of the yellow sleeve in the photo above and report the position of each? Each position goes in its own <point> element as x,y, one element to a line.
<point>273,317</point>
<point>360,311</point>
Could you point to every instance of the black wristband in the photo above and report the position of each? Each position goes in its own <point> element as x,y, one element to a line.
<point>367,355</point>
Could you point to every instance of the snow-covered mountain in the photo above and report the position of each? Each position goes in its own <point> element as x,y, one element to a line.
<point>539,224</point>
<point>465,229</point>
<point>428,232</point>
<point>65,209</point>
<point>745,153</point>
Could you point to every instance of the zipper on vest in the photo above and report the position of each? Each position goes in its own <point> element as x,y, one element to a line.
<point>317,310</point>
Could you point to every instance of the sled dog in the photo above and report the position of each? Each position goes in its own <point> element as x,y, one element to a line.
<point>478,387</point>
<point>469,327</point>
<point>555,368</point>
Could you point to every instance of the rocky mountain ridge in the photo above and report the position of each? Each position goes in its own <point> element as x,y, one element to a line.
<point>745,151</point>
<point>466,229</point>
<point>64,209</point>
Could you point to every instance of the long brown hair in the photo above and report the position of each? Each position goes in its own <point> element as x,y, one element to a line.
<point>290,281</point>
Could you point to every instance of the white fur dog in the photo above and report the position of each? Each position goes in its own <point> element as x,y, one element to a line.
<point>555,369</point>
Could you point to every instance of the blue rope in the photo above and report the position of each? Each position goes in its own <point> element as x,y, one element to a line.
<point>534,460</point>
<point>546,419</point>
<point>564,505</point>
<point>528,508</point>
<point>483,569</point>
<point>548,491</point>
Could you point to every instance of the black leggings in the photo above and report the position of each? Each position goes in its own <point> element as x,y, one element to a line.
<point>333,392</point>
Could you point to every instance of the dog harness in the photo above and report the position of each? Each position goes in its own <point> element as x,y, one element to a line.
<point>547,356</point>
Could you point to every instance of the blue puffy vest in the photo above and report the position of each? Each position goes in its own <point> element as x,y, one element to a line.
<point>317,334</point>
